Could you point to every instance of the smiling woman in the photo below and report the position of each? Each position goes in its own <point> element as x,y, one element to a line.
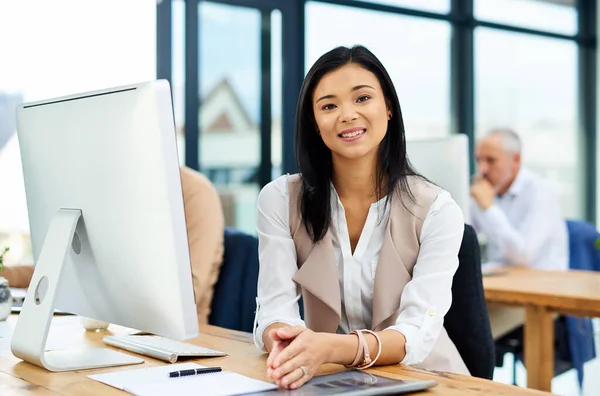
<point>372,245</point>
<point>364,99</point>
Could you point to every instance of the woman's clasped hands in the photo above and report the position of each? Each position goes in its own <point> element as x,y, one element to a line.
<point>296,355</point>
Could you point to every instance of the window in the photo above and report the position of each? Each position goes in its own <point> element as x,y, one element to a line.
<point>415,52</point>
<point>441,6</point>
<point>529,84</point>
<point>558,16</point>
<point>230,105</point>
<point>276,94</point>
<point>64,47</point>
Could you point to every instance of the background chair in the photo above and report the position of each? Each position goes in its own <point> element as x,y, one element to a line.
<point>583,255</point>
<point>467,322</point>
<point>573,336</point>
<point>234,298</point>
<point>512,343</point>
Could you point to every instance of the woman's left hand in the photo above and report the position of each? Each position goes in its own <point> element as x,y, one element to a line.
<point>298,362</point>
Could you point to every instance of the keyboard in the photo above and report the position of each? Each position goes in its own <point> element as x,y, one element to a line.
<point>159,347</point>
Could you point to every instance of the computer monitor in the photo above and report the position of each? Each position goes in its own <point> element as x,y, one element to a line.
<point>444,161</point>
<point>107,220</point>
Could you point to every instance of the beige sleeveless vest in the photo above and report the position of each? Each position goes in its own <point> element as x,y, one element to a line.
<point>317,274</point>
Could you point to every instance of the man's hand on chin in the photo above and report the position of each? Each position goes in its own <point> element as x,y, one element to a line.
<point>483,192</point>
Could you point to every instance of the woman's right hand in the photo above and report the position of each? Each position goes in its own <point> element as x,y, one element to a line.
<point>279,344</point>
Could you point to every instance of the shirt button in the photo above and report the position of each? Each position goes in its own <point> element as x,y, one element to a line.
<point>431,313</point>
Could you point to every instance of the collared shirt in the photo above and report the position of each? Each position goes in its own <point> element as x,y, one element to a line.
<point>525,226</point>
<point>425,299</point>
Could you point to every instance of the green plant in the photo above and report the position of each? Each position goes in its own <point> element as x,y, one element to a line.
<point>6,249</point>
<point>597,243</point>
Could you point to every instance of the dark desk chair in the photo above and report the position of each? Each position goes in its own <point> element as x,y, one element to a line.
<point>512,343</point>
<point>234,298</point>
<point>467,322</point>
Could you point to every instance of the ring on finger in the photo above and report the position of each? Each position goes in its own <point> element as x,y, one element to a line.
<point>304,371</point>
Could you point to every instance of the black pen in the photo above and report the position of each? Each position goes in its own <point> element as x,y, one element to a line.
<point>183,373</point>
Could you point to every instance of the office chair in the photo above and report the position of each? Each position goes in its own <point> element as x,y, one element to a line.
<point>573,336</point>
<point>584,254</point>
<point>467,322</point>
<point>234,299</point>
<point>512,343</point>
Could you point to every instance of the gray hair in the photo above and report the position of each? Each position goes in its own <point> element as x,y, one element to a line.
<point>511,142</point>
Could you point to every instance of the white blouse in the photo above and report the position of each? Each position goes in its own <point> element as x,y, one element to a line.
<point>425,299</point>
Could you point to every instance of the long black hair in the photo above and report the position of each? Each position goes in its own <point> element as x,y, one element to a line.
<point>314,157</point>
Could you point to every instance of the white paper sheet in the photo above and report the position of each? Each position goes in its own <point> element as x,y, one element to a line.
<point>155,381</point>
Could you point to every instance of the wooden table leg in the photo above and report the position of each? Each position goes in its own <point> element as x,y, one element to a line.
<point>539,347</point>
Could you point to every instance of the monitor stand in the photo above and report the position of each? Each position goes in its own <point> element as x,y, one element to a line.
<point>31,332</point>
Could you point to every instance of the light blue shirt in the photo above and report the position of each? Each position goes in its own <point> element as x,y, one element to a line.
<point>525,226</point>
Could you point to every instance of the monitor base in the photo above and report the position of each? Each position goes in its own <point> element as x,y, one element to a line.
<point>31,331</point>
<point>86,358</point>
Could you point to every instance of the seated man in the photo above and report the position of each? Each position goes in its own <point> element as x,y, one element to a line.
<point>205,229</point>
<point>518,212</point>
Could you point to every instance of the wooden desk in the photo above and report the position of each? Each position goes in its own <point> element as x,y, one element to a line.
<point>20,378</point>
<point>543,294</point>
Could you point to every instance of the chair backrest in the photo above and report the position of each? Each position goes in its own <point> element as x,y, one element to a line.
<point>234,299</point>
<point>467,322</point>
<point>583,253</point>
